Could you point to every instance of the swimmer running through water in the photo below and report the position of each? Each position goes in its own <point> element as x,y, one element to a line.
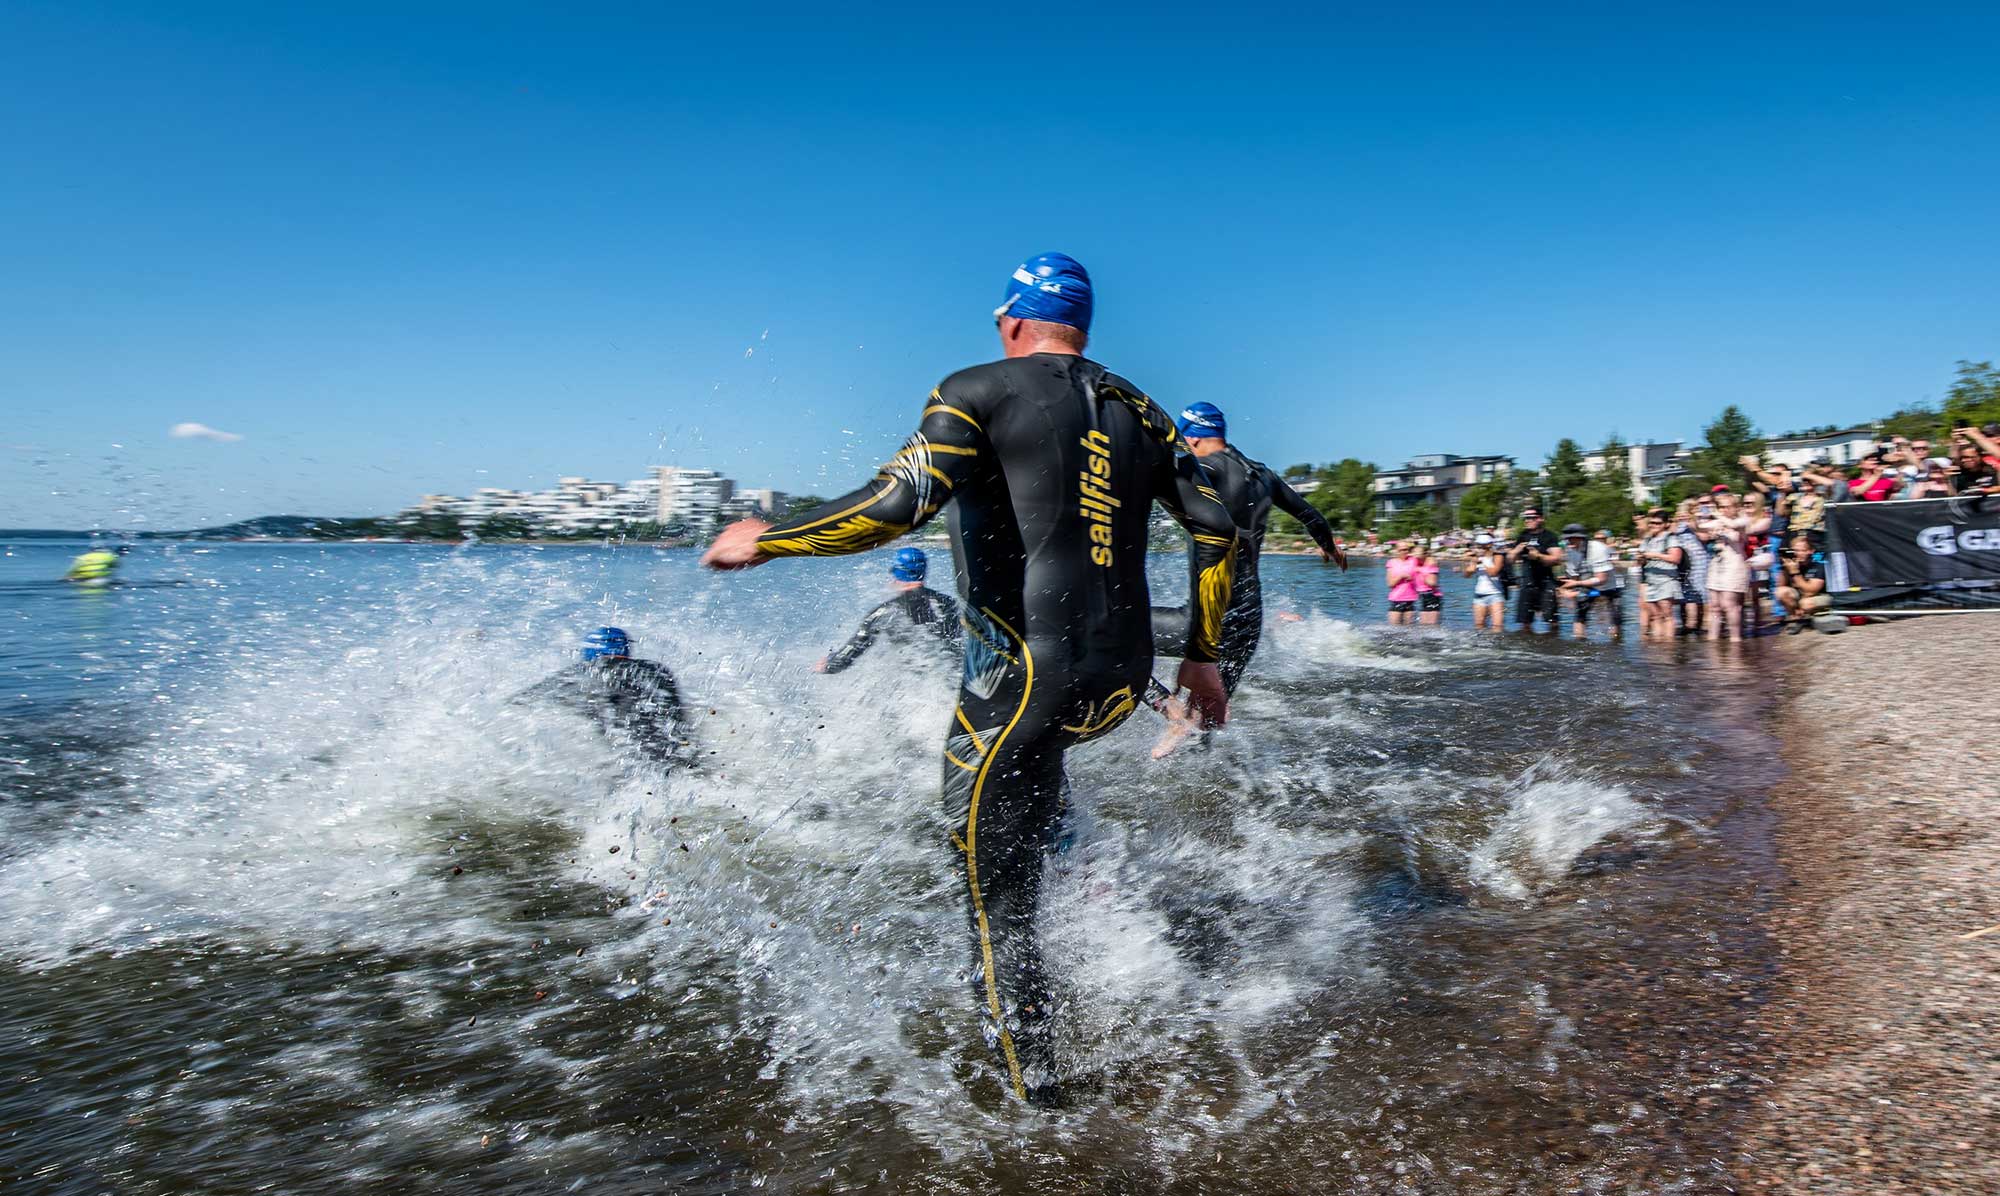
<point>1050,464</point>
<point>1248,491</point>
<point>916,611</point>
<point>637,699</point>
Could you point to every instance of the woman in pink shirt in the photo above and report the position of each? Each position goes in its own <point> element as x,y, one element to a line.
<point>1401,571</point>
<point>1875,483</point>
<point>1430,599</point>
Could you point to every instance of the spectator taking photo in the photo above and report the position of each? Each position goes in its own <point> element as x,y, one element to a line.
<point>1538,552</point>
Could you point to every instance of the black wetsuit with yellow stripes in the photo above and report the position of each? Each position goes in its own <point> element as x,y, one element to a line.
<point>1249,490</point>
<point>1050,466</point>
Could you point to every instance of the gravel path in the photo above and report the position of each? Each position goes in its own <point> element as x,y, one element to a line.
<point>1887,1036</point>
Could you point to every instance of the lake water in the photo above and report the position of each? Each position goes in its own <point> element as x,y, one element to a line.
<point>295,898</point>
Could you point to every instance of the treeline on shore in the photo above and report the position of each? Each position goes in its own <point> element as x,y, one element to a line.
<point>1569,494</point>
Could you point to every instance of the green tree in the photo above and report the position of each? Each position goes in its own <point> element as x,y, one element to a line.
<point>1731,437</point>
<point>1481,505</point>
<point>1682,488</point>
<point>1346,495</point>
<point>504,527</point>
<point>799,504</point>
<point>1605,497</point>
<point>435,526</point>
<point>1974,397</point>
<point>1600,505</point>
<point>1617,472</point>
<point>1422,519</point>
<point>1297,471</point>
<point>1916,421</point>
<point>1563,475</point>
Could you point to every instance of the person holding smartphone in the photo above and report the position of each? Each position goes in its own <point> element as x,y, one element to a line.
<point>1659,578</point>
<point>1804,590</point>
<point>1489,594</point>
<point>1538,552</point>
<point>1976,474</point>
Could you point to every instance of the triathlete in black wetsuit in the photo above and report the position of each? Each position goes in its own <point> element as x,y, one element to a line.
<point>1248,490</point>
<point>636,700</point>
<point>915,613</point>
<point>1054,464</point>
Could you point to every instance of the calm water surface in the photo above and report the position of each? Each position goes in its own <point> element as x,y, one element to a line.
<point>294,898</point>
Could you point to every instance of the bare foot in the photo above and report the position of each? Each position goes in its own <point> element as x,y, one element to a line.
<point>1180,728</point>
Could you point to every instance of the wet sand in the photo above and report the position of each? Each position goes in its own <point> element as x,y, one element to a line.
<point>1887,1060</point>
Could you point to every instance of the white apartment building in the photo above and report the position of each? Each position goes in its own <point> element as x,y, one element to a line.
<point>694,498</point>
<point>1844,447</point>
<point>1649,465</point>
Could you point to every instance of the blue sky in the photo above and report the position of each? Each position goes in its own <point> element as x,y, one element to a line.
<point>408,248</point>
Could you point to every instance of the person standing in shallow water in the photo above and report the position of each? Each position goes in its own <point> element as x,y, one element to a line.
<point>915,612</point>
<point>1489,595</point>
<point>1400,571</point>
<point>1539,552</point>
<point>1430,595</point>
<point>1050,464</point>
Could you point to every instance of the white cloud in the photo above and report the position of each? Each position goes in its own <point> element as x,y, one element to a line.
<point>201,432</point>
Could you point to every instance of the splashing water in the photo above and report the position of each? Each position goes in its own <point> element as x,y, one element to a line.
<point>290,872</point>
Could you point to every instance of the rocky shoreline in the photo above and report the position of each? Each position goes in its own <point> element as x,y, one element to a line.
<point>1885,1057</point>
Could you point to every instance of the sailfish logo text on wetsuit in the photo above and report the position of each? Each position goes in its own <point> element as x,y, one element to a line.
<point>1093,500</point>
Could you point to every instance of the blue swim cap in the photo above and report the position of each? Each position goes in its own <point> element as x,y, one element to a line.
<point>1202,419</point>
<point>1051,286</point>
<point>606,641</point>
<point>910,565</point>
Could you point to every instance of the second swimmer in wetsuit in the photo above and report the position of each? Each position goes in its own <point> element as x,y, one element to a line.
<point>636,699</point>
<point>1248,490</point>
<point>916,611</point>
<point>1050,464</point>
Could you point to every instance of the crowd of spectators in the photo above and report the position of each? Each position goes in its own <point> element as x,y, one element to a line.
<point>1740,560</point>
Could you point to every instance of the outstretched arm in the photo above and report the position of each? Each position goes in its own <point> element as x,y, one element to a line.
<point>1292,503</point>
<point>904,494</point>
<point>849,652</point>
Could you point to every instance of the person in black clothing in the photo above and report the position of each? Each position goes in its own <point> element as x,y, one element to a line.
<point>1050,465</point>
<point>1804,589</point>
<point>1248,490</point>
<point>915,612</point>
<point>632,699</point>
<point>1538,552</point>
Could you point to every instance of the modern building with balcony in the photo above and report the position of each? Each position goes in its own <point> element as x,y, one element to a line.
<point>1436,479</point>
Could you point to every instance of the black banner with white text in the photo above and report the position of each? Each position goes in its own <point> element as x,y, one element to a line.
<point>1930,552</point>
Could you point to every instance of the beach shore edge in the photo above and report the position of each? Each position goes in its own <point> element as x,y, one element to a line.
<point>1886,1064</point>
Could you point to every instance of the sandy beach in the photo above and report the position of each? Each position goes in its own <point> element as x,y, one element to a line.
<point>1887,1065</point>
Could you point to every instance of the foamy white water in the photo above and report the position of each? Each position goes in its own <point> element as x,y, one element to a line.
<point>303,797</point>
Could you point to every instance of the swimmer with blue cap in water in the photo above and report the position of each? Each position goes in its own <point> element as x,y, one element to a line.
<point>634,699</point>
<point>1051,465</point>
<point>1249,490</point>
<point>915,613</point>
